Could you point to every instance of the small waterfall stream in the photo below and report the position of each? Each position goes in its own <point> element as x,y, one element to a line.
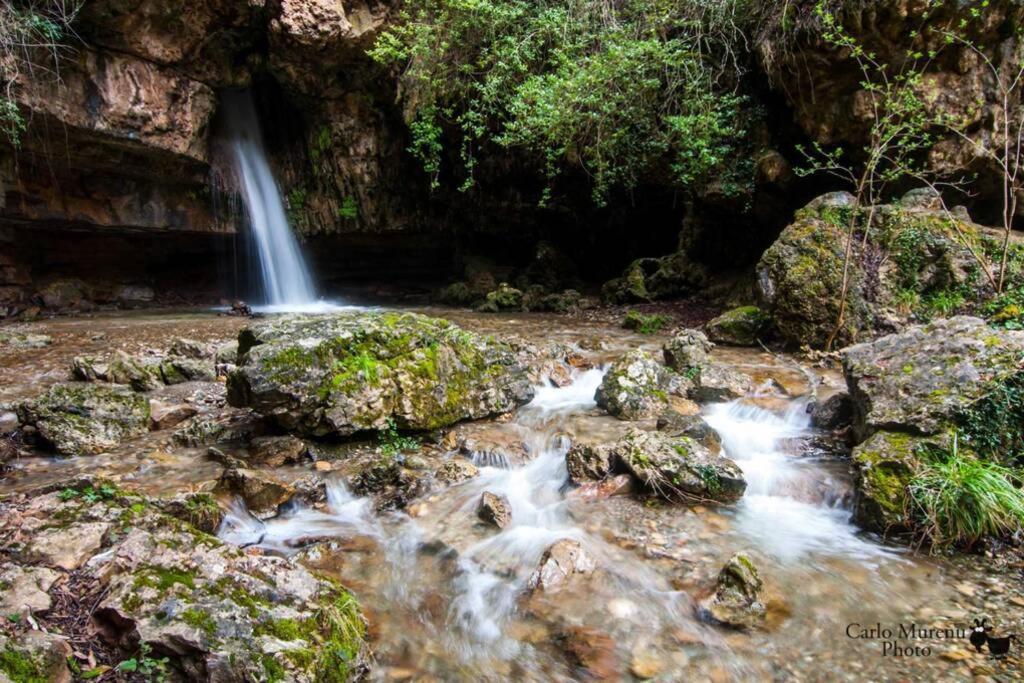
<point>287,283</point>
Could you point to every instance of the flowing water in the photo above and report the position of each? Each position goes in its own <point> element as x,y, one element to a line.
<point>286,280</point>
<point>447,596</point>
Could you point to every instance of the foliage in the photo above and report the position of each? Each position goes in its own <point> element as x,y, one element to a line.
<point>620,90</point>
<point>994,425</point>
<point>146,666</point>
<point>90,494</point>
<point>959,499</point>
<point>33,36</point>
<point>392,443</point>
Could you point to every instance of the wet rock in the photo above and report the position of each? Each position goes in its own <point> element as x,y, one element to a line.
<point>559,562</point>
<point>491,447</point>
<point>390,484</point>
<point>8,421</point>
<point>67,547</point>
<point>645,663</point>
<point>686,350</point>
<point>199,510</point>
<point>884,466</point>
<point>494,509</point>
<point>636,387</point>
<point>592,652</point>
<point>274,451</point>
<point>834,412</point>
<point>648,279</point>
<point>204,430</point>
<point>35,656</point>
<point>456,471</point>
<point>227,353</point>
<point>25,588</point>
<point>738,600</point>
<point>178,370</point>
<point>86,419</point>
<point>25,341</point>
<point>125,369</point>
<point>346,373</point>
<point>743,326</point>
<point>190,348</point>
<point>87,369</point>
<point>919,380</point>
<point>679,468</point>
<point>716,383</point>
<point>694,426</point>
<point>166,415</point>
<point>589,462</point>
<point>618,485</point>
<point>261,491</point>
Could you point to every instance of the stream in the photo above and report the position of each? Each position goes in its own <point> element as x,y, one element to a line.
<point>447,596</point>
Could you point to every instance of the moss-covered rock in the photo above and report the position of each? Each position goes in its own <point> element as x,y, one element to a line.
<point>743,326</point>
<point>649,279</point>
<point>504,298</point>
<point>737,600</point>
<point>920,380</point>
<point>86,419</point>
<point>636,387</point>
<point>346,373</point>
<point>884,466</point>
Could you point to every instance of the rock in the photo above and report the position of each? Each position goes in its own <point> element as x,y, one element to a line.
<point>164,416</point>
<point>178,370</point>
<point>591,651</point>
<point>457,294</point>
<point>125,369</point>
<point>25,588</point>
<point>204,430</point>
<point>636,387</point>
<point>274,451</point>
<point>345,373</point>
<point>190,348</point>
<point>25,341</point>
<point>738,601</point>
<point>34,657</point>
<point>86,369</point>
<point>391,485</point>
<point>922,199</point>
<point>645,324</point>
<point>67,547</point>
<point>833,413</point>
<point>912,257</point>
<point>494,509</point>
<point>64,294</point>
<point>918,381</point>
<point>678,468</point>
<point>618,485</point>
<point>686,350</point>
<point>560,561</point>
<point>199,510</point>
<point>227,353</point>
<point>9,421</point>
<point>743,326</point>
<point>646,663</point>
<point>261,491</point>
<point>134,295</point>
<point>456,471</point>
<point>716,382</point>
<point>589,462</point>
<point>694,426</point>
<point>884,466</point>
<point>86,419</point>
<point>648,279</point>
<point>504,298</point>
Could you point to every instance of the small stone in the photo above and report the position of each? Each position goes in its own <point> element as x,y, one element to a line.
<point>495,510</point>
<point>646,663</point>
<point>560,561</point>
<point>274,451</point>
<point>737,600</point>
<point>25,588</point>
<point>164,416</point>
<point>70,547</point>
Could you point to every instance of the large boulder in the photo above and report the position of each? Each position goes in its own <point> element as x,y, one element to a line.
<point>743,326</point>
<point>911,266</point>
<point>884,466</point>
<point>920,380</point>
<point>648,279</point>
<point>636,387</point>
<point>345,373</point>
<point>214,611</point>
<point>86,419</point>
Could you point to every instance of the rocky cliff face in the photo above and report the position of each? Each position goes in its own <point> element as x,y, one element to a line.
<point>123,147</point>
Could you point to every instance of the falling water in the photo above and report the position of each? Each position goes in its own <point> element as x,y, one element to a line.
<point>286,280</point>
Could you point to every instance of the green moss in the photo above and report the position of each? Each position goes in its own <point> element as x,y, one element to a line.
<point>163,579</point>
<point>273,670</point>
<point>200,619</point>
<point>22,668</point>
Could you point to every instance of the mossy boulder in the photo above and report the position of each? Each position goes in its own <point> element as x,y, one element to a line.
<point>920,380</point>
<point>743,326</point>
<point>884,466</point>
<point>345,373</point>
<point>504,298</point>
<point>649,279</point>
<point>687,351</point>
<point>86,419</point>
<point>911,264</point>
<point>636,387</point>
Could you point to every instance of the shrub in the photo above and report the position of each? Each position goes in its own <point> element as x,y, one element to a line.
<point>958,499</point>
<point>644,324</point>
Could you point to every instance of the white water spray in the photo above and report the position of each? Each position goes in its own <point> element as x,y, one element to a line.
<point>285,277</point>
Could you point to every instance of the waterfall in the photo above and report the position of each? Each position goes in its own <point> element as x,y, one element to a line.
<point>286,280</point>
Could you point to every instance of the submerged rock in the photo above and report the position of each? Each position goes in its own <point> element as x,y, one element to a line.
<point>919,380</point>
<point>738,599</point>
<point>86,419</point>
<point>559,562</point>
<point>261,490</point>
<point>346,373</point>
<point>743,326</point>
<point>494,509</point>
<point>636,387</point>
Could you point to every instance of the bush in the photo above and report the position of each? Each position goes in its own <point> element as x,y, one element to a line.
<point>620,90</point>
<point>959,499</point>
<point>644,324</point>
